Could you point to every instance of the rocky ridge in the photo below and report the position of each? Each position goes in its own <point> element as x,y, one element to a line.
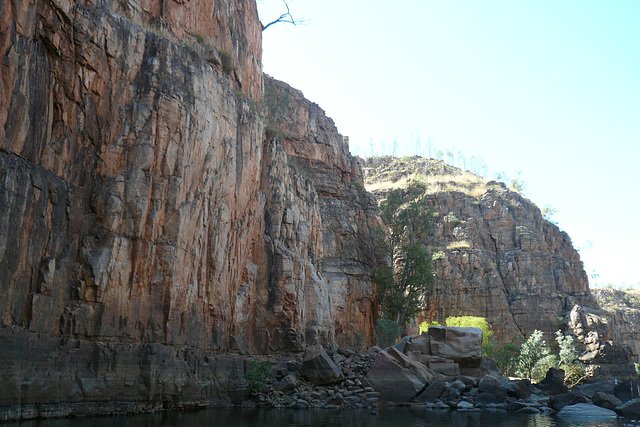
<point>495,256</point>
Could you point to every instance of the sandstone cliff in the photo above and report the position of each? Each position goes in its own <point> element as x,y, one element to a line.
<point>623,316</point>
<point>494,254</point>
<point>148,227</point>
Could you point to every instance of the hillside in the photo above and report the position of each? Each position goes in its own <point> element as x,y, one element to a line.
<point>495,256</point>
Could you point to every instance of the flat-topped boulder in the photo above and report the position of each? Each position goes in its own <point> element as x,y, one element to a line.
<point>461,344</point>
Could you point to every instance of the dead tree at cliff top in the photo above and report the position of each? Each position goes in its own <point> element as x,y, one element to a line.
<point>285,17</point>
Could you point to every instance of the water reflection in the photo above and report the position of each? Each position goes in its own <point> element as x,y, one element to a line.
<point>233,417</point>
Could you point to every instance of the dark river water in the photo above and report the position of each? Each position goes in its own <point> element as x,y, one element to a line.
<point>231,417</point>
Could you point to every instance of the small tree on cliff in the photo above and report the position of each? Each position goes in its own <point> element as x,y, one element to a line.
<point>401,286</point>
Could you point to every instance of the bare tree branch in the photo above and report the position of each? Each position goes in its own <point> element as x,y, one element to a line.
<point>285,17</point>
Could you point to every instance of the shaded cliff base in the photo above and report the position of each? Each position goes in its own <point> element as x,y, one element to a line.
<point>43,376</point>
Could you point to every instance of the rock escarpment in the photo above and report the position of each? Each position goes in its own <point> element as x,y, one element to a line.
<point>144,213</point>
<point>623,317</point>
<point>494,254</point>
<point>318,154</point>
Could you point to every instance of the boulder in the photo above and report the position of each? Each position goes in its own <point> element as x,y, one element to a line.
<point>554,382</point>
<point>464,406</point>
<point>488,399</point>
<point>289,382</point>
<point>462,345</point>
<point>630,408</point>
<point>435,390</point>
<point>455,390</point>
<point>606,400</point>
<point>318,367</point>
<point>586,410</point>
<point>396,377</point>
<point>402,344</point>
<point>489,366</point>
<point>490,384</point>
<point>520,389</point>
<point>490,391</point>
<point>559,401</point>
<point>589,390</point>
<point>418,343</point>
<point>448,369</point>
<point>469,382</point>
<point>627,390</point>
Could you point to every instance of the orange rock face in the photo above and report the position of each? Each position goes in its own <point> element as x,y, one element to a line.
<point>131,168</point>
<point>140,201</point>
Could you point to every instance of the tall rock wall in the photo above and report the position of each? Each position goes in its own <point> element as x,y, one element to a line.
<point>131,170</point>
<point>150,233</point>
<point>318,154</point>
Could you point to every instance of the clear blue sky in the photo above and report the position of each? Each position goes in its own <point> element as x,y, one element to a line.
<point>549,88</point>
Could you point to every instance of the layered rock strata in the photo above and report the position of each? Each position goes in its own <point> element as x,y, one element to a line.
<point>495,256</point>
<point>622,317</point>
<point>145,214</point>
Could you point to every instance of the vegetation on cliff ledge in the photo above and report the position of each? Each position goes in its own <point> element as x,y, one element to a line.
<point>406,279</point>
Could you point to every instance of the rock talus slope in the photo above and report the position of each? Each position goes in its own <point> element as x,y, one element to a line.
<point>144,212</point>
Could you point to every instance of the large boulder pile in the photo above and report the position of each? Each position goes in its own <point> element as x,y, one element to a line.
<point>439,370</point>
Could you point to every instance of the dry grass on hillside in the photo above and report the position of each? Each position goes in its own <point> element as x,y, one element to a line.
<point>464,182</point>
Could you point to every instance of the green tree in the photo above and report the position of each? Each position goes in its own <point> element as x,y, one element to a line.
<point>505,355</point>
<point>574,370</point>
<point>401,286</point>
<point>535,357</point>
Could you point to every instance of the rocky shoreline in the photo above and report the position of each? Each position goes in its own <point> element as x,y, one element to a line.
<point>491,391</point>
<point>456,378</point>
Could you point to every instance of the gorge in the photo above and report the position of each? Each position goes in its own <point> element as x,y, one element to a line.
<point>168,213</point>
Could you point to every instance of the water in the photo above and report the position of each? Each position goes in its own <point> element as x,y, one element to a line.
<point>234,417</point>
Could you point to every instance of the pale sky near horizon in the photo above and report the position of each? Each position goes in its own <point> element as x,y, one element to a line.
<point>550,88</point>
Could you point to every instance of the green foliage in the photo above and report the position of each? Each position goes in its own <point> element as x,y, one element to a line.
<point>358,185</point>
<point>199,37</point>
<point>226,60</point>
<point>574,370</point>
<point>424,326</point>
<point>542,366</point>
<point>408,217</point>
<point>438,256</point>
<point>276,100</point>
<point>473,322</point>
<point>451,218</point>
<point>259,375</point>
<point>637,365</point>
<point>387,332</point>
<point>534,356</point>
<point>505,355</point>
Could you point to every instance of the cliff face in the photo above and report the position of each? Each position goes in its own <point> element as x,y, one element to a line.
<point>319,155</point>
<point>143,211</point>
<point>130,169</point>
<point>494,254</point>
<point>623,315</point>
